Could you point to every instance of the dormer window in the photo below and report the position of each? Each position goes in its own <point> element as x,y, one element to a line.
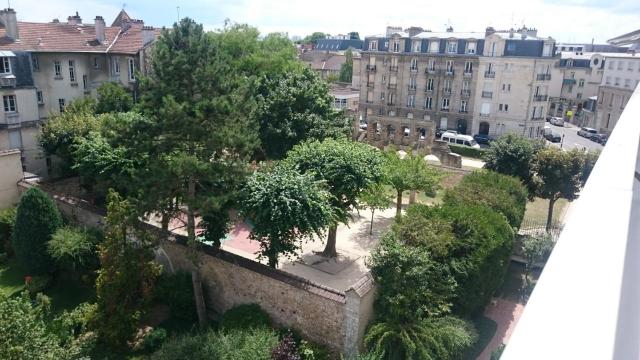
<point>434,46</point>
<point>417,44</point>
<point>5,65</point>
<point>471,47</point>
<point>396,46</point>
<point>373,45</point>
<point>452,47</point>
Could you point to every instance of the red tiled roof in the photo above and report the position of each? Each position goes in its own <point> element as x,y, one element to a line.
<point>63,37</point>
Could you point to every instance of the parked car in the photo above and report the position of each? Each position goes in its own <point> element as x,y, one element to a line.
<point>483,139</point>
<point>599,138</point>
<point>552,136</point>
<point>453,137</point>
<point>587,132</point>
<point>557,121</point>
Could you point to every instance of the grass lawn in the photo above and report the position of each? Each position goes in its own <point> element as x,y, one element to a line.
<point>536,211</point>
<point>421,197</point>
<point>486,329</point>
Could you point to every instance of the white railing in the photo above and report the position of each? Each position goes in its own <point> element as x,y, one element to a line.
<point>586,304</point>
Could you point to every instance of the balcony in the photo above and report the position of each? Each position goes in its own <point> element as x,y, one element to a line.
<point>411,88</point>
<point>429,91</point>
<point>487,94</point>
<point>540,98</point>
<point>431,71</point>
<point>463,111</point>
<point>8,81</point>
<point>569,81</point>
<point>467,74</point>
<point>553,323</point>
<point>489,74</point>
<point>484,115</point>
<point>392,86</point>
<point>413,69</point>
<point>543,77</point>
<point>446,91</point>
<point>465,93</point>
<point>391,103</point>
<point>371,68</point>
<point>393,68</point>
<point>449,72</point>
<point>444,109</point>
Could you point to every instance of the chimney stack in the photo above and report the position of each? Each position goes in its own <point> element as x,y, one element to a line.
<point>148,35</point>
<point>511,33</point>
<point>74,19</point>
<point>393,29</point>
<point>488,31</point>
<point>8,17</point>
<point>450,29</point>
<point>100,28</point>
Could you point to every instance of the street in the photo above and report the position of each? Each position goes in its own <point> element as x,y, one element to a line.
<point>572,139</point>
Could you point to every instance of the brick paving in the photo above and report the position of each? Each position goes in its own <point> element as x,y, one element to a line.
<point>506,314</point>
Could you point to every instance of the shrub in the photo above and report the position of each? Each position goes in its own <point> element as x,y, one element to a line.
<point>504,194</point>
<point>479,257</point>
<point>74,248</point>
<point>7,223</point>
<point>286,349</point>
<point>467,151</point>
<point>37,219</point>
<point>245,316</point>
<point>176,291</point>
<point>154,339</point>
<point>37,284</point>
<point>513,155</point>
<point>71,324</point>
<point>311,351</point>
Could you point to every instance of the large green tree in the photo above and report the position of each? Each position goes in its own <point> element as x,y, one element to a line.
<point>559,174</point>
<point>293,107</point>
<point>314,37</point>
<point>346,70</point>
<point>200,133</point>
<point>347,167</point>
<point>513,155</point>
<point>285,208</point>
<point>37,219</point>
<point>113,97</point>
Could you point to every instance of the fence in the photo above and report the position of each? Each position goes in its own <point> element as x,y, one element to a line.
<point>533,227</point>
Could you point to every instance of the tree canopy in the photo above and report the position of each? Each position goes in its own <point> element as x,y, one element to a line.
<point>346,69</point>
<point>513,155</point>
<point>113,97</point>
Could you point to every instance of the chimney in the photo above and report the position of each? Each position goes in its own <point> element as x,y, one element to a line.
<point>450,29</point>
<point>99,26</point>
<point>55,21</point>
<point>488,31</point>
<point>74,19</point>
<point>8,17</point>
<point>511,33</point>
<point>414,30</point>
<point>393,29</point>
<point>148,35</point>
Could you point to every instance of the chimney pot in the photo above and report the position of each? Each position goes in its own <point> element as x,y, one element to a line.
<point>148,35</point>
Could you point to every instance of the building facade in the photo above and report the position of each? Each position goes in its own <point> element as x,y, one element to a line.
<point>621,77</point>
<point>48,65</point>
<point>416,81</point>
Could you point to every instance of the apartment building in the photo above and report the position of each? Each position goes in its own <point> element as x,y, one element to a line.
<point>491,82</point>
<point>45,66</point>
<point>621,77</point>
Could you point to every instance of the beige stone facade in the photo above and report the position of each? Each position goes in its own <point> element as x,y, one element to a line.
<point>10,175</point>
<point>621,77</point>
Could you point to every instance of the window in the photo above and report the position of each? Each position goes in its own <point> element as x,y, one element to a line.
<point>72,71</point>
<point>494,51</point>
<point>620,64</point>
<point>508,87</point>
<point>373,45</point>
<point>573,74</point>
<point>417,45</point>
<point>430,84</point>
<point>608,81</point>
<point>35,64</point>
<point>15,139</point>
<point>486,108</point>
<point>617,81</point>
<point>40,97</point>
<point>434,46</point>
<point>506,107</point>
<point>412,83</point>
<point>449,66</point>
<point>608,119</point>
<point>9,103</point>
<point>627,83</point>
<point>414,64</point>
<point>581,83</point>
<point>432,64</point>
<point>427,103</point>
<point>611,100</point>
<point>611,62</point>
<point>511,47</point>
<point>630,65</point>
<point>468,66</point>
<point>465,85</point>
<point>396,46</point>
<point>96,63</point>
<point>5,65</point>
<point>132,69</point>
<point>471,47</point>
<point>384,79</point>
<point>579,96</point>
<point>61,105</point>
<point>463,106</point>
<point>445,103</point>
<point>546,50</point>
<point>499,107</point>
<point>116,66</point>
<point>504,87</point>
<point>569,63</point>
<point>84,82</point>
<point>447,85</point>
<point>411,101</point>
<point>57,68</point>
<point>382,96</point>
<point>452,47</point>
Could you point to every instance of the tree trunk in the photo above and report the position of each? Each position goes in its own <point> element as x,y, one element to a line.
<point>552,201</point>
<point>371,226</point>
<point>165,226</point>
<point>195,273</point>
<point>399,204</point>
<point>330,250</point>
<point>412,197</point>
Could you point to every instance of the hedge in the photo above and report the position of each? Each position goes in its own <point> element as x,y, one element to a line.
<point>504,194</point>
<point>467,151</point>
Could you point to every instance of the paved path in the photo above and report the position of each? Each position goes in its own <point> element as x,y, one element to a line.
<point>506,314</point>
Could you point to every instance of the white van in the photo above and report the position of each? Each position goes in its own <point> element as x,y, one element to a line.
<point>453,137</point>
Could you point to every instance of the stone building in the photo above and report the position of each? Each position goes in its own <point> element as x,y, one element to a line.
<point>413,82</point>
<point>621,77</point>
<point>48,65</point>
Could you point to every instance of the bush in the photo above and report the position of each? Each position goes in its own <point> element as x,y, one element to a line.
<point>154,339</point>
<point>7,223</point>
<point>245,316</point>
<point>75,248</point>
<point>286,349</point>
<point>479,256</point>
<point>37,219</point>
<point>504,194</point>
<point>467,151</point>
<point>37,284</point>
<point>176,291</point>
<point>250,344</point>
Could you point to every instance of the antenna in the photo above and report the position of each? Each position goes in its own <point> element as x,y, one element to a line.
<point>178,10</point>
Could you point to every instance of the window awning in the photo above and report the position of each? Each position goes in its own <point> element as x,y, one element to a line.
<point>4,53</point>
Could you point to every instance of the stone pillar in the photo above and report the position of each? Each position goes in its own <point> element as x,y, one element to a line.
<point>357,314</point>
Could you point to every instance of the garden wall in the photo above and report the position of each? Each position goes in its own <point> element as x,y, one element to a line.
<point>323,315</point>
<point>10,174</point>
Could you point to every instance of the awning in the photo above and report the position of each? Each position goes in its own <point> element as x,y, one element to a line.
<point>4,53</point>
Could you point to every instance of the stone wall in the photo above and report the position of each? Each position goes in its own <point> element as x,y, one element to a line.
<point>447,158</point>
<point>333,318</point>
<point>10,174</point>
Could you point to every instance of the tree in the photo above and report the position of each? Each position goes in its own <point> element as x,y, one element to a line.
<point>127,274</point>
<point>113,97</point>
<point>346,70</point>
<point>590,159</point>
<point>354,35</point>
<point>558,175</point>
<point>201,131</point>
<point>313,38</point>
<point>347,168</point>
<point>37,219</point>
<point>285,208</point>
<point>294,107</point>
<point>374,198</point>
<point>410,173</point>
<point>534,249</point>
<point>513,155</point>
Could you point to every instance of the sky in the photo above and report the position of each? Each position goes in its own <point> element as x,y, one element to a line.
<point>564,20</point>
